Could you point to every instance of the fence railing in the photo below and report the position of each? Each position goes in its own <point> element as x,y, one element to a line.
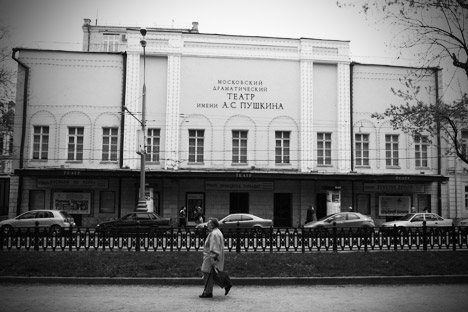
<point>237,240</point>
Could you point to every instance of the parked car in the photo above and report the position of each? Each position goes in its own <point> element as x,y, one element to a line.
<point>462,222</point>
<point>135,220</point>
<point>55,219</point>
<point>415,220</point>
<point>342,220</point>
<point>243,220</point>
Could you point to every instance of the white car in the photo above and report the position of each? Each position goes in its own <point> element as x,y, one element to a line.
<point>55,219</point>
<point>241,220</point>
<point>413,220</point>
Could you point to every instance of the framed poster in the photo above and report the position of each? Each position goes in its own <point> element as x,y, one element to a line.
<point>73,203</point>
<point>394,205</point>
<point>194,200</point>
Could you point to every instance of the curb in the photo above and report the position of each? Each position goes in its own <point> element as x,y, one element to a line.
<point>246,281</point>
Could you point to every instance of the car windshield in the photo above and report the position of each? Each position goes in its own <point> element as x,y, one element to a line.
<point>327,217</point>
<point>407,217</point>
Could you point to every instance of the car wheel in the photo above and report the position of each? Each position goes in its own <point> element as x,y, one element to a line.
<point>257,231</point>
<point>400,230</point>
<point>55,228</point>
<point>7,228</point>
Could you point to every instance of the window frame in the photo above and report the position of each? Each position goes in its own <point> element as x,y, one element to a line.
<point>153,145</point>
<point>324,148</point>
<point>361,150</point>
<point>110,42</point>
<point>111,147</point>
<point>240,147</point>
<point>77,148</point>
<point>392,154</point>
<point>282,152</point>
<point>196,146</point>
<point>421,151</point>
<point>42,147</point>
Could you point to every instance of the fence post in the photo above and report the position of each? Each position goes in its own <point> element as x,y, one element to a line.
<point>454,238</point>
<point>335,244</point>
<point>172,238</point>
<point>238,249</point>
<point>395,234</point>
<point>365,238</point>
<point>271,238</point>
<point>137,240</point>
<point>424,236</point>
<point>303,239</point>
<point>70,238</point>
<point>36,237</point>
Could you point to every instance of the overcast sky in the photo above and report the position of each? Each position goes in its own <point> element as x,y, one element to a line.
<point>56,24</point>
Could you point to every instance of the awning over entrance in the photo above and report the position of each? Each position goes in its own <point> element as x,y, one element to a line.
<point>234,174</point>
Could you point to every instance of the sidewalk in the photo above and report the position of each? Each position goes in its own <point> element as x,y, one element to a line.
<point>157,298</point>
<point>246,281</point>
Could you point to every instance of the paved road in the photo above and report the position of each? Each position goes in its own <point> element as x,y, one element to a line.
<point>360,298</point>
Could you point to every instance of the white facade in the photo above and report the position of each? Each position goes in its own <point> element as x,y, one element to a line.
<point>299,103</point>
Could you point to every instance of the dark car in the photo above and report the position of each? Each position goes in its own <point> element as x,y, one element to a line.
<point>142,221</point>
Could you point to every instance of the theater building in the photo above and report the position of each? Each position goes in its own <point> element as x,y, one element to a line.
<point>268,126</point>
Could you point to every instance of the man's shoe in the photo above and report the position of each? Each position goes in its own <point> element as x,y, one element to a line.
<point>227,289</point>
<point>206,295</point>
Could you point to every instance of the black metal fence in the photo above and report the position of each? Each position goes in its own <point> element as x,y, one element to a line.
<point>237,240</point>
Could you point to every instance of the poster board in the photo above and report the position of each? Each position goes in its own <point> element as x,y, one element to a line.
<point>73,202</point>
<point>394,205</point>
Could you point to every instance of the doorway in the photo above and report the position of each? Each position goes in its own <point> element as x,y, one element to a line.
<point>321,205</point>
<point>282,210</point>
<point>239,203</point>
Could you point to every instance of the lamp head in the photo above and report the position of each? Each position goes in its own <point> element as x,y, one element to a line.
<point>143,42</point>
<point>143,31</point>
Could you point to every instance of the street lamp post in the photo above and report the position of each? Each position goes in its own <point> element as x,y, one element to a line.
<point>142,198</point>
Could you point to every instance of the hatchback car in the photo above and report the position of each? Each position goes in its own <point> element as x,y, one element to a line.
<point>241,220</point>
<point>414,220</point>
<point>136,220</point>
<point>342,220</point>
<point>55,219</point>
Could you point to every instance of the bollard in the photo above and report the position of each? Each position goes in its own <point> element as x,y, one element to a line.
<point>395,234</point>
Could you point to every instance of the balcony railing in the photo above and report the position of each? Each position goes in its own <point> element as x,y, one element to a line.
<point>237,240</point>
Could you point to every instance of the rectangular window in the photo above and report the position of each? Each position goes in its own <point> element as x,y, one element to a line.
<point>110,139</point>
<point>391,150</point>
<point>153,141</point>
<point>362,149</point>
<point>75,143</point>
<point>466,196</point>
<point>41,142</point>
<point>196,146</point>
<point>464,135</point>
<point>324,148</point>
<point>421,147</point>
<point>282,147</point>
<point>111,42</point>
<point>239,147</point>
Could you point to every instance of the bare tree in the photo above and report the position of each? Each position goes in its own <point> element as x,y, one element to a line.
<point>6,69</point>
<point>437,31</point>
